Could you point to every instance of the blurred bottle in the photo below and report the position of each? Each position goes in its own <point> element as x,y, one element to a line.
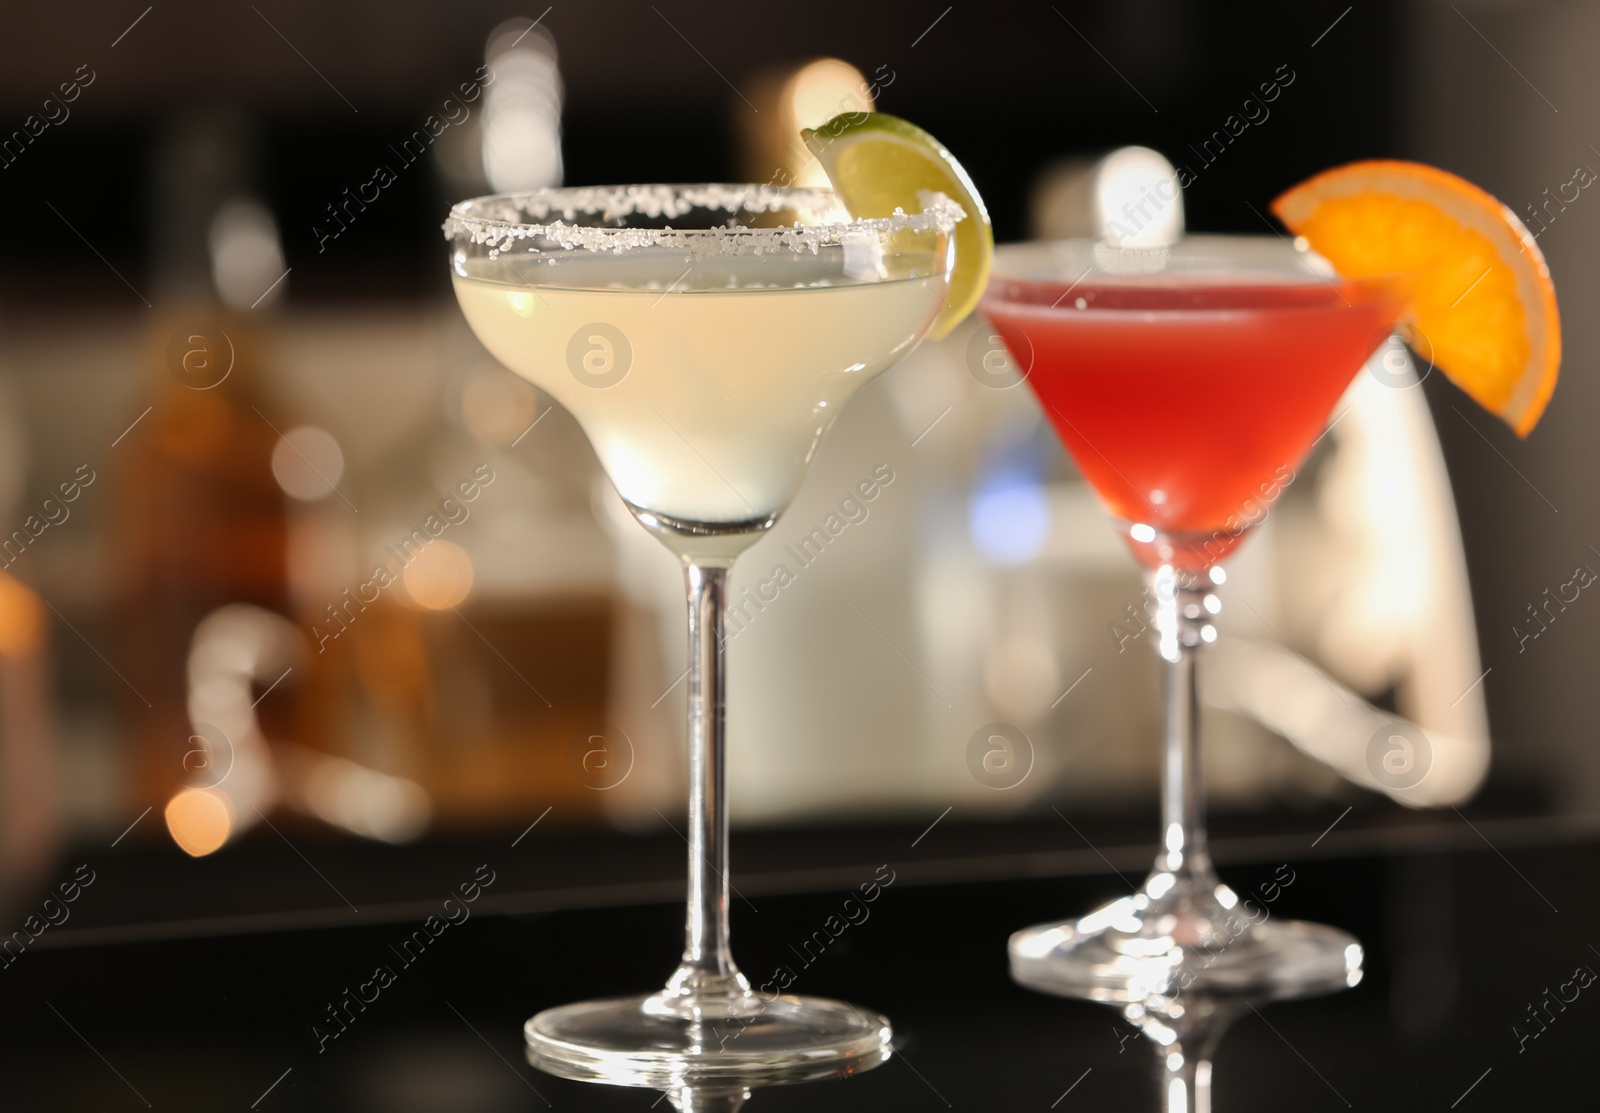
<point>521,108</point>
<point>198,519</point>
<point>30,799</point>
<point>510,136</point>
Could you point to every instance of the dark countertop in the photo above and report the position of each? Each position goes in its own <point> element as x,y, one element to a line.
<point>195,985</point>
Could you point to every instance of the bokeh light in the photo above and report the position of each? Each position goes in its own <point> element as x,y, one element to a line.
<point>307,463</point>
<point>440,577</point>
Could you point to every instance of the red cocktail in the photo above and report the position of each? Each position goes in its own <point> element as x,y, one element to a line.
<point>1188,384</point>
<point>1188,401</point>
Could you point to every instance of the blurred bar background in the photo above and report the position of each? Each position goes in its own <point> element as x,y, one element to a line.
<point>289,545</point>
<point>293,574</point>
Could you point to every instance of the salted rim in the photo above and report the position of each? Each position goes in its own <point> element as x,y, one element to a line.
<point>505,224</point>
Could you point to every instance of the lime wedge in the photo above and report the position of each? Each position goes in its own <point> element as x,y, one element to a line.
<point>878,163</point>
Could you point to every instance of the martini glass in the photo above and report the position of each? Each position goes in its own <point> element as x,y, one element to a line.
<point>1187,383</point>
<point>705,337</point>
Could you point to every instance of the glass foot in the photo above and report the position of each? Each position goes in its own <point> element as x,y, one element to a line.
<point>1194,937</point>
<point>663,1042</point>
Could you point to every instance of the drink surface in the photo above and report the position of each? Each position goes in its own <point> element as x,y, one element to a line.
<point>703,392</point>
<point>1187,403</point>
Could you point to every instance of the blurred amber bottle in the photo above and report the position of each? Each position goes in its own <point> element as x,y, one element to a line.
<point>198,520</point>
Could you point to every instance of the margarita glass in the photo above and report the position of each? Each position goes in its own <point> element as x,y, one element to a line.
<point>705,337</point>
<point>1187,383</point>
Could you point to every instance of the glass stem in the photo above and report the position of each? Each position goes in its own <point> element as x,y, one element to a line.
<point>1184,605</point>
<point>707,967</point>
<point>1190,1034</point>
<point>1185,1080</point>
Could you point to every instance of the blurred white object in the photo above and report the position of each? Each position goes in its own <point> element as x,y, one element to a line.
<point>1327,721</point>
<point>522,108</point>
<point>247,265</point>
<point>227,757</point>
<point>236,776</point>
<point>1129,198</point>
<point>1384,598</point>
<point>353,797</point>
<point>1137,200</point>
<point>1375,588</point>
<point>1371,584</point>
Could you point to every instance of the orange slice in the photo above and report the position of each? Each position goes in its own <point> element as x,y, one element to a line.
<point>1482,307</point>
